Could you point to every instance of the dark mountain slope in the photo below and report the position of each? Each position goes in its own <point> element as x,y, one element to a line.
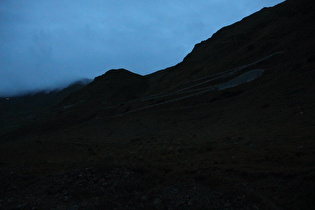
<point>230,127</point>
<point>288,27</point>
<point>24,109</point>
<point>115,86</point>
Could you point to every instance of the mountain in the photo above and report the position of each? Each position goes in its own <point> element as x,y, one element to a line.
<point>114,86</point>
<point>18,110</point>
<point>275,39</point>
<point>229,127</point>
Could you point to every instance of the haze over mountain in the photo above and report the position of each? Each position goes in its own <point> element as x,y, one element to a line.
<point>229,127</point>
<point>49,44</point>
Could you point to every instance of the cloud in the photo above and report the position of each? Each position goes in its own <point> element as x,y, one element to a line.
<point>48,43</point>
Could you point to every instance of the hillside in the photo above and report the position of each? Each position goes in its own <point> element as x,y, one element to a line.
<point>279,40</point>
<point>23,109</point>
<point>230,127</point>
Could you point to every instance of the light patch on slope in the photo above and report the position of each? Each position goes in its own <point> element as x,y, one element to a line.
<point>241,79</point>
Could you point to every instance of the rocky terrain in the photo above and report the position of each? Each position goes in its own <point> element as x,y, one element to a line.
<point>230,127</point>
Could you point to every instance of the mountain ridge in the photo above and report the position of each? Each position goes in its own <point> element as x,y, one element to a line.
<point>228,44</point>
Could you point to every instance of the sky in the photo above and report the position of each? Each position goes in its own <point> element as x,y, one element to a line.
<point>45,44</point>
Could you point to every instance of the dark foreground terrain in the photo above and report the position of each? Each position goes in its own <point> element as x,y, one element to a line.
<point>230,127</point>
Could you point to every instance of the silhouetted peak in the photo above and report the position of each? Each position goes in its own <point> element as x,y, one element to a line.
<point>118,74</point>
